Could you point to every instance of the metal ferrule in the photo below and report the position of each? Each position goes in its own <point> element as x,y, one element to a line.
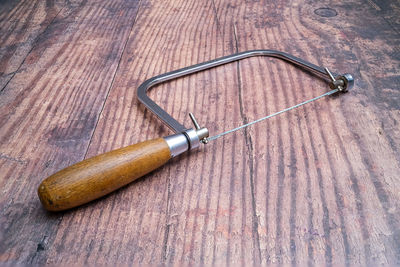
<point>193,138</point>
<point>178,143</point>
<point>188,140</point>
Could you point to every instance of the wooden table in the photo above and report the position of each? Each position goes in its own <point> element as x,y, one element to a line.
<point>318,185</point>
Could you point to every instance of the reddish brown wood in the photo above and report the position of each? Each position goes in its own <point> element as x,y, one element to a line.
<point>100,175</point>
<point>48,113</point>
<point>316,186</point>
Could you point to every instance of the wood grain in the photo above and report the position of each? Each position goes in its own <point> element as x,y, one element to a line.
<point>21,26</point>
<point>49,111</point>
<point>316,186</point>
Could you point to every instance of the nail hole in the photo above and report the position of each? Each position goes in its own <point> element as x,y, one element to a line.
<point>325,12</point>
<point>40,247</point>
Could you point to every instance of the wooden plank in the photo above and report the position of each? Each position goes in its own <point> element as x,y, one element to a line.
<point>48,113</point>
<point>325,175</point>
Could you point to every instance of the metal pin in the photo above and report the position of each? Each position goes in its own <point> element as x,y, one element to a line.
<point>336,84</point>
<point>194,121</point>
<point>330,74</point>
<point>202,133</point>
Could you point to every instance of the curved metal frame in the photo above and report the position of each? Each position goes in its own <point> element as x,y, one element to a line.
<point>178,127</point>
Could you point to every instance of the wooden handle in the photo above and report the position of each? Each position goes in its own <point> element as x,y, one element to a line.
<point>102,174</point>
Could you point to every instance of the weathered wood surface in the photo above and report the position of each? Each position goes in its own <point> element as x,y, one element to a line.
<point>319,185</point>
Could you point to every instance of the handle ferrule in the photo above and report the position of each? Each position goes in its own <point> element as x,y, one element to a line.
<point>178,143</point>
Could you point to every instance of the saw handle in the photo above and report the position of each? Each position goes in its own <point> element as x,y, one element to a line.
<point>95,177</point>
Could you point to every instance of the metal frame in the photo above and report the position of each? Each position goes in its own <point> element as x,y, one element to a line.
<point>178,127</point>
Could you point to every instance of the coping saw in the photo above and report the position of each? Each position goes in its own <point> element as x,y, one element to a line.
<point>97,176</point>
